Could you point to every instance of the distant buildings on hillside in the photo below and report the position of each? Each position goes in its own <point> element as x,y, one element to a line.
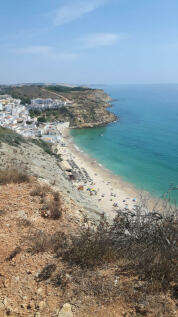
<point>16,116</point>
<point>44,104</point>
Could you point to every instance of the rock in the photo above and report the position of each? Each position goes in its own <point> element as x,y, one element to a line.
<point>22,214</point>
<point>2,306</point>
<point>40,291</point>
<point>66,311</point>
<point>6,301</point>
<point>42,305</point>
<point>141,309</point>
<point>32,304</point>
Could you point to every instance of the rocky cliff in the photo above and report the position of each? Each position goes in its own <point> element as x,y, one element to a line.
<point>88,110</point>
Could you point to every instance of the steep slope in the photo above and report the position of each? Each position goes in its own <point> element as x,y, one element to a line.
<point>37,159</point>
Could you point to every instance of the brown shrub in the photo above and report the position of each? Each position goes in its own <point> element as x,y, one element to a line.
<point>146,241</point>
<point>46,273</point>
<point>133,259</point>
<point>92,247</point>
<point>52,207</point>
<point>43,242</point>
<point>40,242</point>
<point>13,176</point>
<point>40,190</point>
<point>13,254</point>
<point>23,222</point>
<point>59,243</point>
<point>55,209</point>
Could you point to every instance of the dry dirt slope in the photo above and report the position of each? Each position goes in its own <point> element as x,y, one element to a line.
<point>34,282</point>
<point>34,159</point>
<point>20,217</point>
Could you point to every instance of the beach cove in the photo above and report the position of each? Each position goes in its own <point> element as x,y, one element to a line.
<point>141,148</point>
<point>108,191</point>
<point>132,158</point>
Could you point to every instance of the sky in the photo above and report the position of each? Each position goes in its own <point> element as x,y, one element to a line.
<point>89,41</point>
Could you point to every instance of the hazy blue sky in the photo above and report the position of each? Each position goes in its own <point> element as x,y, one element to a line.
<point>89,41</point>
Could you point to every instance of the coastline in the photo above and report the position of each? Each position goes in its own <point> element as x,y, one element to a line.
<point>112,192</point>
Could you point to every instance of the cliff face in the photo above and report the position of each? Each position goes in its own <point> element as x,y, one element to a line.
<point>88,110</point>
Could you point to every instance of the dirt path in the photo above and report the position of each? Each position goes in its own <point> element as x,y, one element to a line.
<point>54,93</point>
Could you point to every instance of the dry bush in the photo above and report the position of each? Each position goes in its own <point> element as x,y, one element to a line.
<point>40,190</point>
<point>133,259</point>
<point>13,176</point>
<point>55,210</point>
<point>52,207</point>
<point>43,242</point>
<point>148,241</point>
<point>59,243</point>
<point>23,222</point>
<point>101,286</point>
<point>13,254</point>
<point>40,242</point>
<point>50,199</point>
<point>46,273</point>
<point>92,247</point>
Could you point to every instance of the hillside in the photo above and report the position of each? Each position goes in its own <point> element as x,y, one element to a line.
<point>54,264</point>
<point>59,255</point>
<point>88,107</point>
<point>36,158</point>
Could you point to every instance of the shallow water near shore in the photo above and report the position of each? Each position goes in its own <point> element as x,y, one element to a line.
<point>142,147</point>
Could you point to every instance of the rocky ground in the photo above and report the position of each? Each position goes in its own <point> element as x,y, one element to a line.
<point>21,293</point>
<point>36,283</point>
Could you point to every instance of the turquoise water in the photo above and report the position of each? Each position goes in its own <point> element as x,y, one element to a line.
<point>142,147</point>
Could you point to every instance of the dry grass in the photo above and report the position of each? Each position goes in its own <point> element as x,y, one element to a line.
<point>13,176</point>
<point>41,190</point>
<point>40,242</point>
<point>23,222</point>
<point>132,260</point>
<point>51,200</point>
<point>92,247</point>
<point>52,207</point>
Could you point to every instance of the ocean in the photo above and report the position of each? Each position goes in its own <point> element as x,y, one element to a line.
<point>142,147</point>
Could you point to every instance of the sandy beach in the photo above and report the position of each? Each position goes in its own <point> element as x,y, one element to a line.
<point>109,191</point>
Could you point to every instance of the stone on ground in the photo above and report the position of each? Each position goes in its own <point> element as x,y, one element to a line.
<point>66,311</point>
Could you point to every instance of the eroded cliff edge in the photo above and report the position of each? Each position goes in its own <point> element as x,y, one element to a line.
<point>89,109</point>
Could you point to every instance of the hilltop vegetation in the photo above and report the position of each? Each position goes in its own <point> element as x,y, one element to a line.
<point>87,107</point>
<point>68,89</point>
<point>33,91</point>
<point>10,137</point>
